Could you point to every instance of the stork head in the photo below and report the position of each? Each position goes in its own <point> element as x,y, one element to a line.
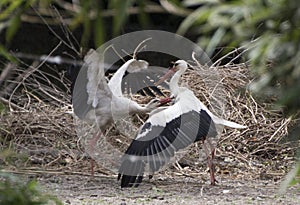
<point>178,65</point>
<point>173,68</point>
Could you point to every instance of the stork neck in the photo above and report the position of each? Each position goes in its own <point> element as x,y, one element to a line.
<point>174,82</point>
<point>144,109</point>
<point>136,108</point>
<point>115,82</point>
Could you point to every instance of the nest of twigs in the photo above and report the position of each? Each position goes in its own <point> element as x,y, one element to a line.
<point>38,125</point>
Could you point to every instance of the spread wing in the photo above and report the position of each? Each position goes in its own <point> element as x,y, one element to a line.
<point>90,86</point>
<point>157,143</point>
<point>142,81</point>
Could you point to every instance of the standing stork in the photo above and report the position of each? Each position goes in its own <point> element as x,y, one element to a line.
<point>187,121</point>
<point>95,100</point>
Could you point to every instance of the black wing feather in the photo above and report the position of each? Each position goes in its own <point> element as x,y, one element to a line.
<point>143,82</point>
<point>160,144</point>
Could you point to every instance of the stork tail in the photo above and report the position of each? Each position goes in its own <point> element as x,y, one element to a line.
<point>232,124</point>
<point>227,123</point>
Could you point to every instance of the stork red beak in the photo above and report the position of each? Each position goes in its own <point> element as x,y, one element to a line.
<point>166,76</point>
<point>164,101</point>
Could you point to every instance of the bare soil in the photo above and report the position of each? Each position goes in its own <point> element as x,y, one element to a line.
<point>164,188</point>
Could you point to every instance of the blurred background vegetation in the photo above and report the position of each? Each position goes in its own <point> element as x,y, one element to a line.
<point>271,40</point>
<point>266,32</point>
<point>14,191</point>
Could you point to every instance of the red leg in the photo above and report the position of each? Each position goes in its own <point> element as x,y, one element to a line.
<point>213,150</point>
<point>91,149</point>
<point>92,167</point>
<point>210,157</point>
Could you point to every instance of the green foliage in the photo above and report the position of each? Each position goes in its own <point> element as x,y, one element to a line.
<point>10,20</point>
<point>10,15</point>
<point>292,178</point>
<point>95,18</point>
<point>142,16</point>
<point>7,55</point>
<point>86,22</point>
<point>296,179</point>
<point>8,7</point>
<point>100,29</point>
<point>14,25</point>
<point>15,192</point>
<point>2,108</point>
<point>8,156</point>
<point>120,7</point>
<point>269,30</point>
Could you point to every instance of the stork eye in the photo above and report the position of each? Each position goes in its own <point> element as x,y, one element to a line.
<point>171,64</point>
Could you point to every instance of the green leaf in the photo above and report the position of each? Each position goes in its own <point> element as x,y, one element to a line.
<point>99,30</point>
<point>199,2</point>
<point>143,16</point>
<point>6,54</point>
<point>121,7</point>
<point>10,8</point>
<point>13,27</point>
<point>291,178</point>
<point>86,23</point>
<point>215,40</point>
<point>200,15</point>
<point>15,192</point>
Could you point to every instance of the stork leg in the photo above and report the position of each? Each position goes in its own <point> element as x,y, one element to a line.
<point>91,149</point>
<point>92,167</point>
<point>212,148</point>
<point>210,157</point>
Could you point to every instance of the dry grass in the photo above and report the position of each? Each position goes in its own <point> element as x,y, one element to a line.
<point>39,125</point>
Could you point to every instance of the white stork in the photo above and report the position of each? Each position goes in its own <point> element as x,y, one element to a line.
<point>104,101</point>
<point>100,102</point>
<point>187,121</point>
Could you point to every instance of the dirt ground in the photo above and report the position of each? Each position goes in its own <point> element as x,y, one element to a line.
<point>166,188</point>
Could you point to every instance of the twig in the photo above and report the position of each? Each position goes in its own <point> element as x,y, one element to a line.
<point>68,44</point>
<point>47,58</point>
<point>11,104</point>
<point>279,128</point>
<point>6,71</point>
<point>138,47</point>
<point>30,71</point>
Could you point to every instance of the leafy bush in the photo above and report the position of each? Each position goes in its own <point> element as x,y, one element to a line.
<point>269,31</point>
<point>15,192</point>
